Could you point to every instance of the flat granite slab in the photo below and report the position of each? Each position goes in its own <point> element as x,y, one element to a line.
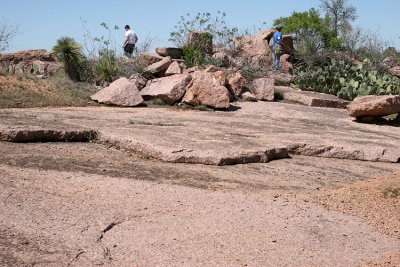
<point>312,99</point>
<point>254,132</point>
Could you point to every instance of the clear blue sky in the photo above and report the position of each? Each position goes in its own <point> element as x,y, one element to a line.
<point>42,22</point>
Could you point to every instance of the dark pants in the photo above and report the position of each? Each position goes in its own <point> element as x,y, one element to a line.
<point>128,49</point>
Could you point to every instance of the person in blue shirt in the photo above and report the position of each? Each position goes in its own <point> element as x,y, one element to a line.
<point>277,48</point>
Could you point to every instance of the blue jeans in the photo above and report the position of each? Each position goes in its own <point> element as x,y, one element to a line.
<point>277,61</point>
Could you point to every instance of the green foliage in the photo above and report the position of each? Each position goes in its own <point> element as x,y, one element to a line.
<point>69,51</point>
<point>106,67</point>
<point>391,52</point>
<point>222,34</point>
<point>346,80</point>
<point>308,27</point>
<point>193,57</point>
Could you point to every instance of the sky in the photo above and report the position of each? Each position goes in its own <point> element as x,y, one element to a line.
<point>42,22</point>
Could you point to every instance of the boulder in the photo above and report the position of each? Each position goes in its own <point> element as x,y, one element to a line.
<point>287,44</point>
<point>200,40</point>
<point>255,48</point>
<point>173,52</point>
<point>286,65</point>
<point>44,67</point>
<point>169,89</point>
<point>173,69</point>
<point>159,67</point>
<point>28,55</point>
<point>263,89</point>
<point>248,95</point>
<point>205,89</point>
<point>281,79</point>
<point>121,92</point>
<point>395,71</point>
<point>373,105</point>
<point>212,68</point>
<point>149,58</point>
<point>138,80</point>
<point>391,62</point>
<point>235,83</point>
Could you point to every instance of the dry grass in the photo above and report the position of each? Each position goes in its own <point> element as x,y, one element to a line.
<point>376,201</point>
<point>18,91</point>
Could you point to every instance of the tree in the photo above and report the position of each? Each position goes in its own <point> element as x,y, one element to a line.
<point>69,51</point>
<point>7,32</point>
<point>311,32</point>
<point>340,15</point>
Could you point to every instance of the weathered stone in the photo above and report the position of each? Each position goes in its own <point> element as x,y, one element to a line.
<point>205,89</point>
<point>286,65</point>
<point>149,58</point>
<point>138,80</point>
<point>395,71</point>
<point>391,62</point>
<point>256,49</point>
<point>263,89</point>
<point>235,83</point>
<point>121,92</point>
<point>27,55</point>
<point>287,44</point>
<point>221,76</point>
<point>169,89</point>
<point>281,79</point>
<point>311,99</point>
<point>374,106</point>
<point>200,40</point>
<point>160,66</point>
<point>247,95</point>
<point>212,68</point>
<point>173,52</point>
<point>173,69</point>
<point>192,69</point>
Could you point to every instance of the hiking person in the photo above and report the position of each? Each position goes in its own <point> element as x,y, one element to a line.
<point>129,41</point>
<point>277,48</point>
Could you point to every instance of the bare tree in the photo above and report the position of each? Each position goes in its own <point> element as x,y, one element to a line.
<point>7,32</point>
<point>340,14</point>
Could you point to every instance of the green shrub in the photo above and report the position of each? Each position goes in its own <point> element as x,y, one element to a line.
<point>346,80</point>
<point>106,67</point>
<point>68,51</point>
<point>193,57</point>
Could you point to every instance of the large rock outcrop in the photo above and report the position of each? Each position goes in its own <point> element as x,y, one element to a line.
<point>121,92</point>
<point>30,62</point>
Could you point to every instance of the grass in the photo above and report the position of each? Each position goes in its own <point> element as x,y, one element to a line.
<point>22,91</point>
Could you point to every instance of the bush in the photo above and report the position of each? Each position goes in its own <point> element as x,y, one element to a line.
<point>106,67</point>
<point>68,51</point>
<point>346,80</point>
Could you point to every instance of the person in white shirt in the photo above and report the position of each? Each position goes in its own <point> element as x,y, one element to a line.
<point>129,41</point>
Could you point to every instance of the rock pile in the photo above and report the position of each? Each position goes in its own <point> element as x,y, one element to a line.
<point>34,62</point>
<point>211,86</point>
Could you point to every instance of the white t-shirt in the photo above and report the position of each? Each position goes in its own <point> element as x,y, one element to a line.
<point>131,36</point>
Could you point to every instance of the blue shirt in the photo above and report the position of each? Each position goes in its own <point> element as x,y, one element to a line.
<point>277,38</point>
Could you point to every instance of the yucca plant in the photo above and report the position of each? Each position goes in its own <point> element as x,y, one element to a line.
<point>68,51</point>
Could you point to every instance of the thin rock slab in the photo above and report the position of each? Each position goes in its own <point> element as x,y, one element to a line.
<point>374,106</point>
<point>311,99</point>
<point>159,67</point>
<point>172,52</point>
<point>121,92</point>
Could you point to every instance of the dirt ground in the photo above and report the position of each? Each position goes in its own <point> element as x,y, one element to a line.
<point>86,204</point>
